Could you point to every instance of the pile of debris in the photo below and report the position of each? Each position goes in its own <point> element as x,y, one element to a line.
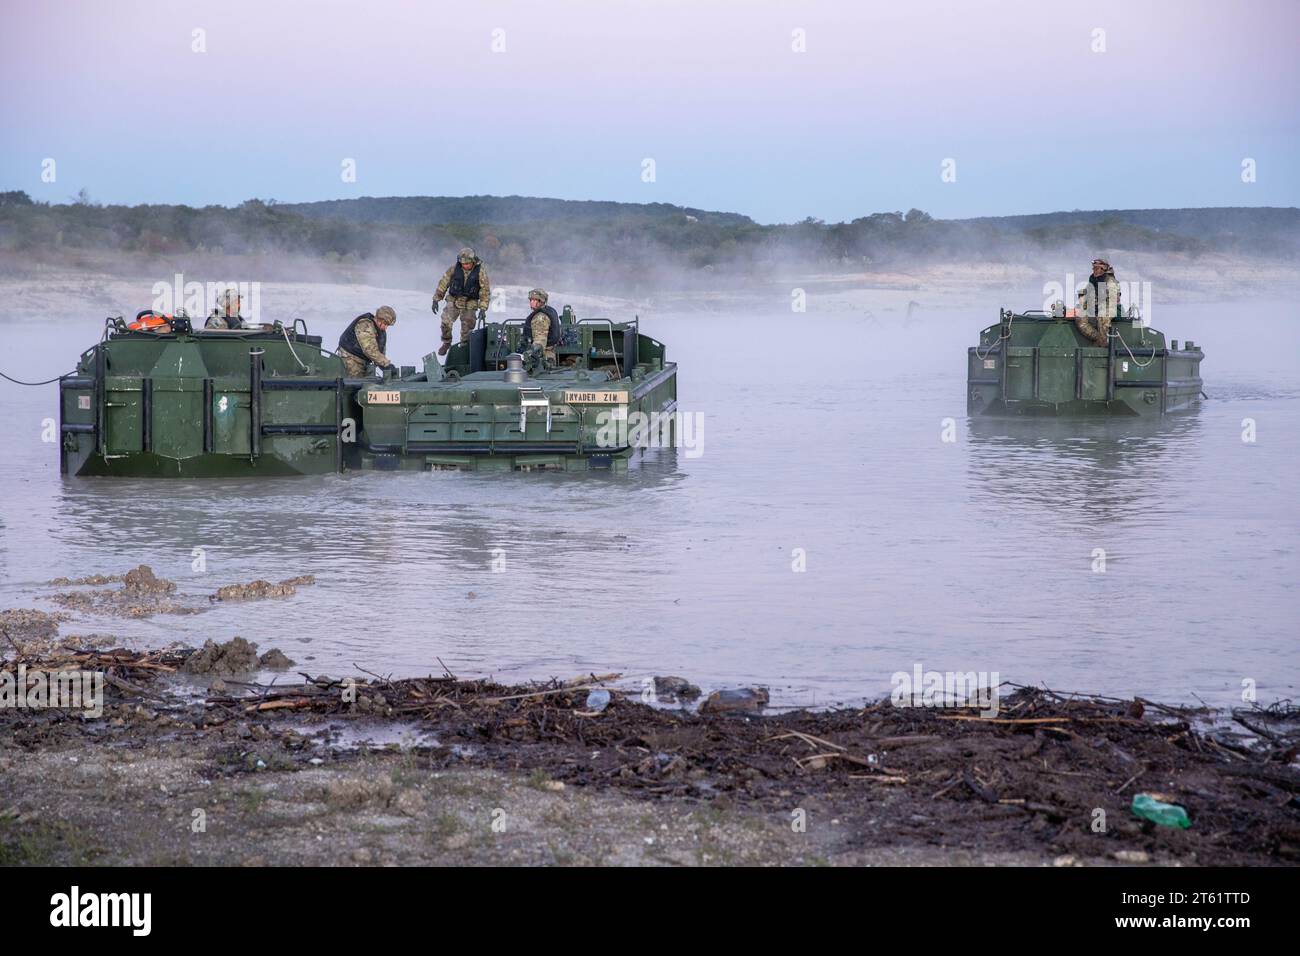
<point>1055,772</point>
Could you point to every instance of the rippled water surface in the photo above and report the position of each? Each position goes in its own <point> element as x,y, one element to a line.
<point>825,436</point>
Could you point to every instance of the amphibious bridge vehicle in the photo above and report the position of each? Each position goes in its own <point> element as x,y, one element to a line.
<point>1039,363</point>
<point>179,401</point>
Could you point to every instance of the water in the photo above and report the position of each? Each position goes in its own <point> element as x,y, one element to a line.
<point>820,433</point>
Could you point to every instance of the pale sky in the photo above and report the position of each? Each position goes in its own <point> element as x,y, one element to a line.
<point>1179,94</point>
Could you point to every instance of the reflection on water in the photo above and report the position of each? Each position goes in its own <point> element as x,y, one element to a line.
<point>978,554</point>
<point>1053,470</point>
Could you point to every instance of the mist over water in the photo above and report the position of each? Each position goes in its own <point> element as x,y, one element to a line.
<point>821,433</point>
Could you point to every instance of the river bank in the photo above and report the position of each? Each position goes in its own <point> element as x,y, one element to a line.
<point>189,764</point>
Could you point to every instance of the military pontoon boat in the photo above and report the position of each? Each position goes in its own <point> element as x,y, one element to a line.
<point>1039,363</point>
<point>177,401</point>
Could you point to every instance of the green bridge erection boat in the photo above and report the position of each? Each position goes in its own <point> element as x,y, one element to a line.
<point>186,402</point>
<point>1039,363</point>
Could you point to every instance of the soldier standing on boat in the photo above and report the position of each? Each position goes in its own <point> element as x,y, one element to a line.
<point>1098,300</point>
<point>363,342</point>
<point>226,314</point>
<point>543,324</point>
<point>467,290</point>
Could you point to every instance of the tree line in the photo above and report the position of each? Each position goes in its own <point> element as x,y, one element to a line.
<point>570,239</point>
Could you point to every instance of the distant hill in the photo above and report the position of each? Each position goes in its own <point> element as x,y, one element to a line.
<point>1204,222</point>
<point>610,245</point>
<point>1255,230</point>
<point>1209,219</point>
<point>1260,229</point>
<point>500,211</point>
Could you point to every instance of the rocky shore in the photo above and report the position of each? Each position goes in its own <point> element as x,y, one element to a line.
<point>192,761</point>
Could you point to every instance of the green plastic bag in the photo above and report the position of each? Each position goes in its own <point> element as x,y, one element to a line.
<point>1165,814</point>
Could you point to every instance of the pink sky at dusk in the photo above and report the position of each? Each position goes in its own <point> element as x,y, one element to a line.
<point>713,92</point>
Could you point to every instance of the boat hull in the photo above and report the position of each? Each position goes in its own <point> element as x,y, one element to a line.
<point>1035,367</point>
<point>240,404</point>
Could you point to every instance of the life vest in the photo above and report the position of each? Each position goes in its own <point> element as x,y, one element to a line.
<point>227,321</point>
<point>1102,296</point>
<point>552,333</point>
<point>150,321</point>
<point>348,340</point>
<point>464,285</point>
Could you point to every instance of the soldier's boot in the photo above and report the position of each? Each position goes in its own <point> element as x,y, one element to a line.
<point>446,335</point>
<point>446,327</point>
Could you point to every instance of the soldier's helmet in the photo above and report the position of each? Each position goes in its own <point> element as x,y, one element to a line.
<point>228,303</point>
<point>538,294</point>
<point>466,255</point>
<point>1106,268</point>
<point>385,313</point>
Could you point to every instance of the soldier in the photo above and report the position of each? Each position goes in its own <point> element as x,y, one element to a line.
<point>1098,300</point>
<point>226,314</point>
<point>543,324</point>
<point>466,289</point>
<point>362,342</point>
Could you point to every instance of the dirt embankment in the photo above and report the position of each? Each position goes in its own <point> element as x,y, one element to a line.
<point>441,769</point>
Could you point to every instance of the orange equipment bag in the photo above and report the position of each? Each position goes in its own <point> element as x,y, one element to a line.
<point>149,321</point>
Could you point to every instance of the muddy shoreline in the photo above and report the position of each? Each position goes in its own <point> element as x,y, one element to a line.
<point>360,770</point>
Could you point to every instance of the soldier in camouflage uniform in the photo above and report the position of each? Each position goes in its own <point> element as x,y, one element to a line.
<point>363,342</point>
<point>467,289</point>
<point>226,314</point>
<point>1098,300</point>
<point>543,324</point>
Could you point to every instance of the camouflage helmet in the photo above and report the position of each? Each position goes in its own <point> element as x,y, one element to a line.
<point>466,255</point>
<point>538,294</point>
<point>386,314</point>
<point>1106,268</point>
<point>228,302</point>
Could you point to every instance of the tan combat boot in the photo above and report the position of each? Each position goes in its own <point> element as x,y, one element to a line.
<point>445,347</point>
